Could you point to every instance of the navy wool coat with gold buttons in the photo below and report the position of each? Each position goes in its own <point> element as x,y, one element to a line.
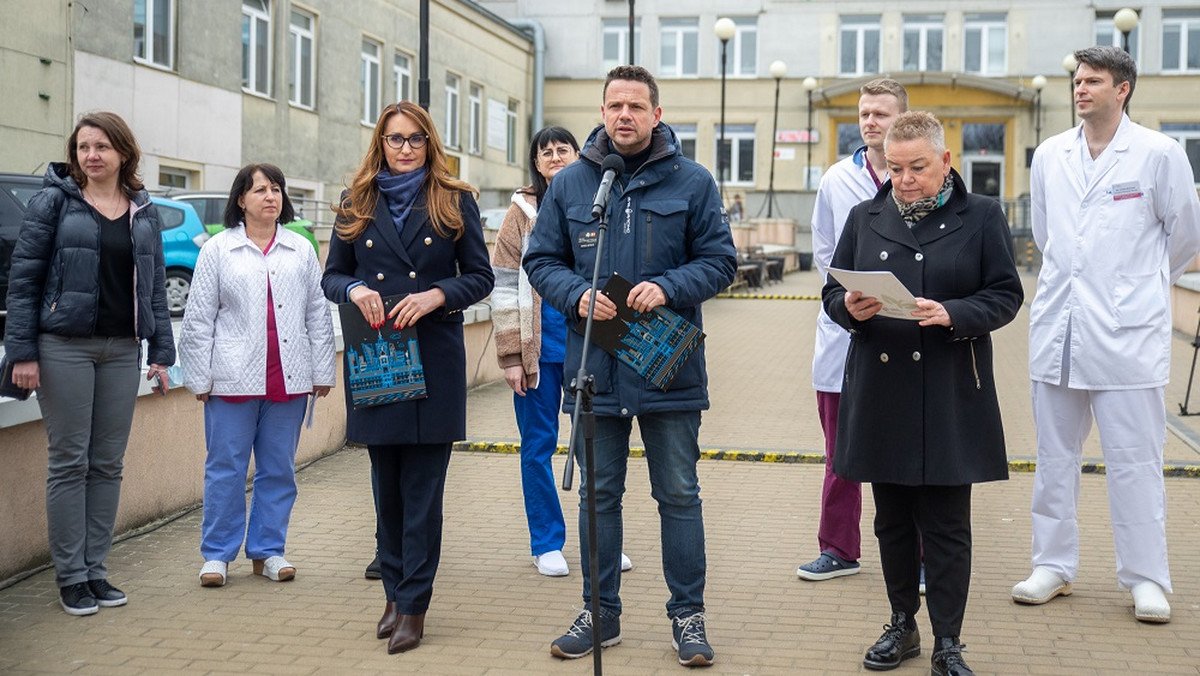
<point>410,261</point>
<point>918,404</point>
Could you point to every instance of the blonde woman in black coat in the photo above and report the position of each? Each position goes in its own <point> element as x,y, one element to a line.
<point>919,419</point>
<point>406,226</point>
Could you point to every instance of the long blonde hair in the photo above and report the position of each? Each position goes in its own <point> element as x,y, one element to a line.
<point>441,189</point>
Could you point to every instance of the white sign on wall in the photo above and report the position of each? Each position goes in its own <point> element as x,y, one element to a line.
<point>497,125</point>
<point>785,153</point>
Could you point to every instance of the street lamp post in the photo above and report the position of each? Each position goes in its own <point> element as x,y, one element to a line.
<point>1039,83</point>
<point>725,29</point>
<point>810,83</point>
<point>778,71</point>
<point>1125,20</point>
<point>1069,64</point>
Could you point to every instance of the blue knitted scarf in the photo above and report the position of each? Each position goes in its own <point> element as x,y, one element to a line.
<point>400,191</point>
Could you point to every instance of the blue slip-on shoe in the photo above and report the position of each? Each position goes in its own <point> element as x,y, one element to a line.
<point>826,566</point>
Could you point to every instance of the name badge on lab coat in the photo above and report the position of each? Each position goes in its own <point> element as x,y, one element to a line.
<point>1125,191</point>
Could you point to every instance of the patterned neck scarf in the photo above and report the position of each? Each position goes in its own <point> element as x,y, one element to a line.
<point>913,213</point>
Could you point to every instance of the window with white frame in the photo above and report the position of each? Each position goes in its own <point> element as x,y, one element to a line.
<point>1188,135</point>
<point>256,46</point>
<point>859,53</point>
<point>736,156</point>
<point>175,178</point>
<point>370,78</point>
<point>154,32</point>
<point>742,48</point>
<point>985,44</point>
<point>475,120</point>
<point>302,35</point>
<point>924,35</point>
<point>687,139</point>
<point>402,70</point>
<point>1108,35</point>
<point>616,42</point>
<point>510,133</point>
<point>451,135</point>
<point>1181,41</point>
<point>679,52</point>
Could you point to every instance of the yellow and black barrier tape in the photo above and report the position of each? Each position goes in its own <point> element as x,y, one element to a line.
<point>767,296</point>
<point>796,457</point>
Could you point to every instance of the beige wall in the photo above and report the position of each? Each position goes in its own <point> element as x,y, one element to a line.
<point>164,463</point>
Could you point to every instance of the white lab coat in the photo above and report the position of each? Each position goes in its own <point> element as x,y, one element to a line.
<point>847,183</point>
<point>1111,249</point>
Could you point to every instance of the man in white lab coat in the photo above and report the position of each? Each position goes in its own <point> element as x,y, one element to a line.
<point>852,180</point>
<point>1116,218</point>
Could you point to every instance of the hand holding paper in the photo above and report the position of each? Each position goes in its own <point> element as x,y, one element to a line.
<point>897,301</point>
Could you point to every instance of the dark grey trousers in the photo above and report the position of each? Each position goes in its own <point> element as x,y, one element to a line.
<point>87,394</point>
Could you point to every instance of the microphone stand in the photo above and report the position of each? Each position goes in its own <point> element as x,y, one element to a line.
<point>583,425</point>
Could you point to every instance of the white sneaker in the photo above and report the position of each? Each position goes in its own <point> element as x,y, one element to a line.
<point>212,574</point>
<point>1149,603</point>
<point>274,568</point>
<point>551,564</point>
<point>1042,586</point>
<point>626,564</point>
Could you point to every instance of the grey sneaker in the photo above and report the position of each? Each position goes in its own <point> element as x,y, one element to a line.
<point>826,566</point>
<point>689,638</point>
<point>577,642</point>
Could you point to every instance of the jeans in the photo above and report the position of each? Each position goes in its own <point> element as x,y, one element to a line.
<point>87,394</point>
<point>537,419</point>
<point>671,455</point>
<point>232,430</point>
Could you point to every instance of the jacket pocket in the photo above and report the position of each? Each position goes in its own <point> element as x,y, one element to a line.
<point>1138,300</point>
<point>665,234</point>
<point>584,232</point>
<point>228,361</point>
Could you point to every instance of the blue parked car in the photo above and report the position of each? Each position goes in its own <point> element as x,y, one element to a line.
<point>182,233</point>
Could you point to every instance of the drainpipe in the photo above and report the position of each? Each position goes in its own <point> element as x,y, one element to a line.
<point>539,68</point>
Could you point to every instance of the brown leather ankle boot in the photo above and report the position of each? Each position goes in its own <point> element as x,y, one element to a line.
<point>387,622</point>
<point>407,633</point>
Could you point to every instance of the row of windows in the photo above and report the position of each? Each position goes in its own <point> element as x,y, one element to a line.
<point>679,46</point>
<point>985,44</point>
<point>154,33</point>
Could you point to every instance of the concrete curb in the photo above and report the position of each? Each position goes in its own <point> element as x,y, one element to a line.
<point>795,457</point>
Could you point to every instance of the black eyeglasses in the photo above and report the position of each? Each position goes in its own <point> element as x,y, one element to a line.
<point>397,141</point>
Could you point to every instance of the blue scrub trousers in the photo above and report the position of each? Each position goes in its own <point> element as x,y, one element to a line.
<point>271,430</point>
<point>537,419</point>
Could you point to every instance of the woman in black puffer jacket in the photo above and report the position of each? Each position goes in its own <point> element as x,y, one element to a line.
<point>86,286</point>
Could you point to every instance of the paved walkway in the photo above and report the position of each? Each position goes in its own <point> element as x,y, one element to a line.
<point>493,614</point>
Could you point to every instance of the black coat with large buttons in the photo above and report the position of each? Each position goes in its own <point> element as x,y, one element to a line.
<point>918,404</point>
<point>411,261</point>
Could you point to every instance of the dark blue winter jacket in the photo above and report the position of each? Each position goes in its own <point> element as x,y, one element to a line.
<point>667,226</point>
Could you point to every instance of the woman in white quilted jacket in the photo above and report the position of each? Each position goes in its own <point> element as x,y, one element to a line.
<point>256,342</point>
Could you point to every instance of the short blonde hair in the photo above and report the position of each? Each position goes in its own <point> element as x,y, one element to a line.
<point>886,85</point>
<point>917,124</point>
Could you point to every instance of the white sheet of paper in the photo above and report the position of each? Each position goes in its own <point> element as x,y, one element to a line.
<point>898,301</point>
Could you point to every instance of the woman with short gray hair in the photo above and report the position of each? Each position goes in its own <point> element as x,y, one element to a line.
<point>918,418</point>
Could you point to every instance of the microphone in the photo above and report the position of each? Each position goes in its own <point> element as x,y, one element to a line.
<point>612,166</point>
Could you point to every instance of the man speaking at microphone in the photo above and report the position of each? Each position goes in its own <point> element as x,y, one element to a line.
<point>669,236</point>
